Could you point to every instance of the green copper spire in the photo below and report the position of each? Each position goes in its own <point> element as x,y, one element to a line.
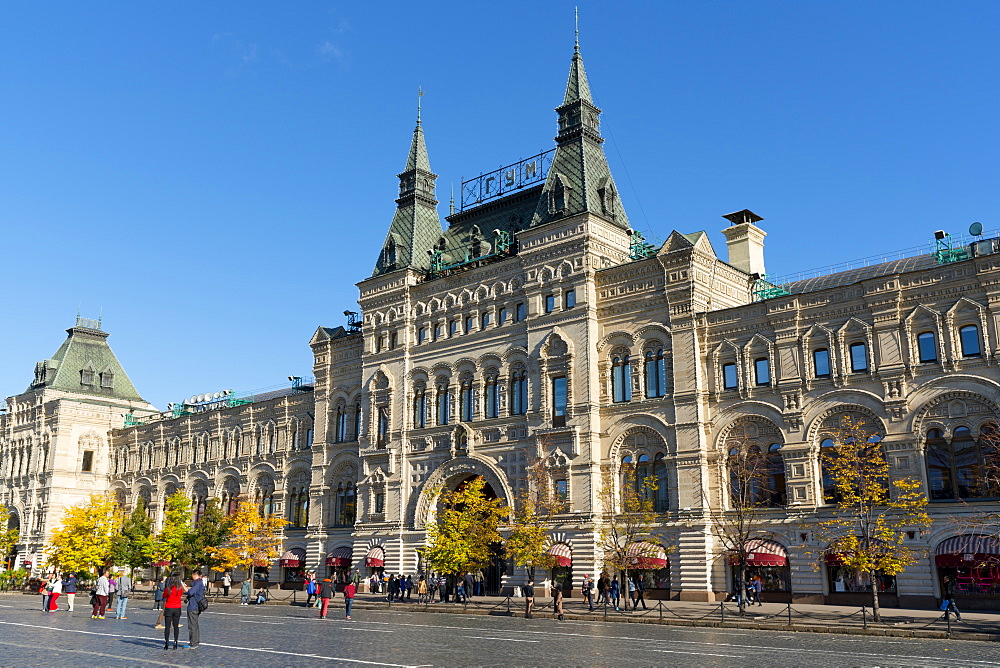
<point>416,227</point>
<point>579,179</point>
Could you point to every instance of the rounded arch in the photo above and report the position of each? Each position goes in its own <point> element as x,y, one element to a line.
<point>616,339</point>
<point>757,410</point>
<point>830,420</point>
<point>459,468</point>
<point>654,430</point>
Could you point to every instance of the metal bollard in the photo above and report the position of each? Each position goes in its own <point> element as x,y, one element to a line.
<point>789,613</point>
<point>660,607</point>
<point>864,617</point>
<point>947,619</point>
<point>722,610</point>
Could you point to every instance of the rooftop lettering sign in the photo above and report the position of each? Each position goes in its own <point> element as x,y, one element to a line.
<point>506,179</point>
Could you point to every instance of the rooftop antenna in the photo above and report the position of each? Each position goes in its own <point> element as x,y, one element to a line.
<point>576,18</point>
<point>976,229</point>
<point>451,207</point>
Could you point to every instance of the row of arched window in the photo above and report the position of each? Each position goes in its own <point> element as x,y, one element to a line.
<point>439,401</point>
<point>654,372</point>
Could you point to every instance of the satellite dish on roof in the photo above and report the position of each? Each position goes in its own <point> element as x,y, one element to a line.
<point>192,400</point>
<point>976,229</point>
<point>217,395</point>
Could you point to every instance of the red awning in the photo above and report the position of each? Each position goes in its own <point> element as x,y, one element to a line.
<point>968,550</point>
<point>294,558</point>
<point>763,553</point>
<point>645,555</point>
<point>161,564</point>
<point>375,557</point>
<point>342,556</point>
<point>563,554</point>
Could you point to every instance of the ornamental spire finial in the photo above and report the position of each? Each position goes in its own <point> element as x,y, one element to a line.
<point>420,94</point>
<point>576,17</point>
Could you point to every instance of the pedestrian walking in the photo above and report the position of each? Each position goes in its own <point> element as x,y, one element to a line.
<point>422,590</point>
<point>100,597</point>
<point>392,588</point>
<point>640,589</point>
<point>195,598</point>
<point>632,593</point>
<point>245,590</point>
<point>614,591</point>
<point>443,589</point>
<point>112,589</point>
<point>373,584</point>
<point>409,587</point>
<point>173,592</point>
<point>758,586</point>
<point>529,598</point>
<point>402,587</point>
<point>158,595</point>
<point>948,604</point>
<point>349,591</point>
<point>557,601</point>
<point>460,590</point>
<point>470,585</point>
<point>69,589</point>
<point>480,580</point>
<point>124,591</point>
<point>602,589</point>
<point>55,589</point>
<point>227,582</point>
<point>310,591</point>
<point>326,592</point>
<point>587,589</point>
<point>46,591</point>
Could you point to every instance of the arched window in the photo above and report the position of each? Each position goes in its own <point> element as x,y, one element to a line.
<point>492,408</point>
<point>662,490</point>
<point>621,379</point>
<point>341,424</point>
<point>821,363</point>
<point>383,426</point>
<point>519,393</point>
<point>969,337</point>
<point>776,476</point>
<point>656,374</point>
<point>357,421</point>
<point>443,404</point>
<point>642,473</point>
<point>927,347</point>
<point>830,493</point>
<point>419,407</point>
<point>961,469</point>
<point>346,504</point>
<point>465,404</point>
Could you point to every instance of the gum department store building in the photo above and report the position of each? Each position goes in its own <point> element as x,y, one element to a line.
<point>536,325</point>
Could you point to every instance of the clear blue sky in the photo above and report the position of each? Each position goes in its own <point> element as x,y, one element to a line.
<point>216,176</point>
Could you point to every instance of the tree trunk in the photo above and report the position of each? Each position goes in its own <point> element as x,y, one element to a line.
<point>876,614</point>
<point>741,588</point>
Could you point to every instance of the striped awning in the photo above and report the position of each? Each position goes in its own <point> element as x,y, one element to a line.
<point>161,564</point>
<point>762,552</point>
<point>342,556</point>
<point>294,558</point>
<point>968,550</point>
<point>563,554</point>
<point>375,557</point>
<point>646,555</point>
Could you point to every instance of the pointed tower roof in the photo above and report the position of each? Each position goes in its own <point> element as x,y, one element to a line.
<point>579,179</point>
<point>85,364</point>
<point>416,227</point>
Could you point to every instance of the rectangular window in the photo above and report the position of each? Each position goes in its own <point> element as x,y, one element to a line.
<point>762,371</point>
<point>392,341</point>
<point>569,299</point>
<point>444,406</point>
<point>437,332</point>
<point>383,425</point>
<point>379,503</point>
<point>485,320</point>
<point>729,380</point>
<point>502,316</point>
<point>470,323</point>
<point>821,363</point>
<point>466,408</point>
<point>519,313</point>
<point>969,336</point>
<point>452,328</point>
<point>492,400</point>
<point>562,490</point>
<point>309,438</point>
<point>559,401</point>
<point>859,357</point>
<point>550,303</point>
<point>927,347</point>
<point>88,461</point>
<point>108,378</point>
<point>421,335</point>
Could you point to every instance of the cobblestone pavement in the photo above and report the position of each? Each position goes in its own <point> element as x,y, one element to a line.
<point>293,636</point>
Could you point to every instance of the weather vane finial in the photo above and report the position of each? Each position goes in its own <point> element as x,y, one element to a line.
<point>420,94</point>
<point>576,17</point>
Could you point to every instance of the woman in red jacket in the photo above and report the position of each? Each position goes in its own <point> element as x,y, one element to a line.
<point>173,592</point>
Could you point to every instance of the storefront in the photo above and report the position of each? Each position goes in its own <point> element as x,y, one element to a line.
<point>375,561</point>
<point>562,570</point>
<point>973,560</point>
<point>848,586</point>
<point>768,561</point>
<point>293,563</point>
<point>648,562</point>
<point>338,565</point>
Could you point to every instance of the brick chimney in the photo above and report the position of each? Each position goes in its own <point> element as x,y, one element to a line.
<point>745,241</point>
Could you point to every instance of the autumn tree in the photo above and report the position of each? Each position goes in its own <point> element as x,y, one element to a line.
<point>8,536</point>
<point>211,532</point>
<point>253,538</point>
<point>133,545</point>
<point>84,540</point>
<point>465,530</point>
<point>752,480</point>
<point>874,512</point>
<point>174,535</point>
<point>528,538</point>
<point>627,531</point>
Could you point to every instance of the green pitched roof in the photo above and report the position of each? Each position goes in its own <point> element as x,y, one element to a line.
<point>82,364</point>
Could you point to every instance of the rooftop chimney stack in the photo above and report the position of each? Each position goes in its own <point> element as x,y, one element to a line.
<point>745,241</point>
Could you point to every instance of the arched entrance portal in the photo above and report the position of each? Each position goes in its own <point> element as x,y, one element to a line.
<point>492,575</point>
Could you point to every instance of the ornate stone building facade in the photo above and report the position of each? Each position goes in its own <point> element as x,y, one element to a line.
<point>536,325</point>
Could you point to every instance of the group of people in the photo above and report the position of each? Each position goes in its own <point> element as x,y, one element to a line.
<point>167,598</point>
<point>607,590</point>
<point>52,587</point>
<point>111,589</point>
<point>749,594</point>
<point>323,591</point>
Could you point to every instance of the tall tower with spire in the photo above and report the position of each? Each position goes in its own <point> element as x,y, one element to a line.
<point>579,179</point>
<point>416,226</point>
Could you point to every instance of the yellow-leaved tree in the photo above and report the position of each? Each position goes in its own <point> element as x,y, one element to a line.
<point>254,539</point>
<point>84,540</point>
<point>466,530</point>
<point>874,512</point>
<point>528,541</point>
<point>174,535</point>
<point>8,537</point>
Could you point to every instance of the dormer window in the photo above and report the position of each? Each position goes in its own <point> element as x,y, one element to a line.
<point>87,375</point>
<point>108,379</point>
